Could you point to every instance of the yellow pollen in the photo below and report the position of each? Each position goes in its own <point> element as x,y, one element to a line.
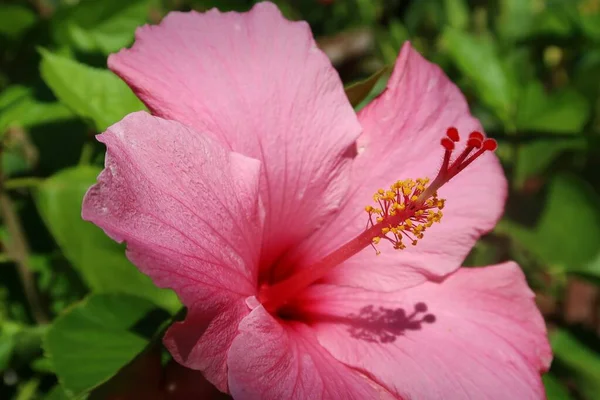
<point>404,212</point>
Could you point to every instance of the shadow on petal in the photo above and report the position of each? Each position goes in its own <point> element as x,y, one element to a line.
<point>381,324</point>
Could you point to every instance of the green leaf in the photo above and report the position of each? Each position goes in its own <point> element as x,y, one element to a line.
<point>100,261</point>
<point>43,365</point>
<point>555,21</point>
<point>516,19</point>
<point>562,112</point>
<point>478,60</point>
<point>458,13</point>
<point>583,362</point>
<point>589,18</point>
<point>15,20</point>
<point>104,26</point>
<point>19,107</point>
<point>92,93</point>
<point>554,389</point>
<point>569,228</point>
<point>390,40</point>
<point>589,270</point>
<point>357,92</point>
<point>27,390</point>
<point>535,157</point>
<point>567,235</point>
<point>56,393</point>
<point>89,343</point>
<point>8,332</point>
<point>223,5</point>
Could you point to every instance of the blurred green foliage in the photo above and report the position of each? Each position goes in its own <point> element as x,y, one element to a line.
<point>530,70</point>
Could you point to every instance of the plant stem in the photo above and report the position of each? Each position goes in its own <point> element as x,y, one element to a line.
<point>18,250</point>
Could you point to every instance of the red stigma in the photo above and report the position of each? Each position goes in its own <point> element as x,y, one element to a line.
<point>476,145</point>
<point>448,144</point>
<point>490,144</point>
<point>477,135</point>
<point>452,133</point>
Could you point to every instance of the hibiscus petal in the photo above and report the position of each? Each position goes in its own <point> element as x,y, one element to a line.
<point>188,210</point>
<point>401,139</point>
<point>258,83</point>
<point>202,341</point>
<point>272,360</point>
<point>476,335</point>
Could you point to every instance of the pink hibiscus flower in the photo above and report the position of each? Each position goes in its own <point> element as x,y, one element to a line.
<point>245,192</point>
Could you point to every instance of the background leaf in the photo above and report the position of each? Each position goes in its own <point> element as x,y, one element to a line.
<point>100,261</point>
<point>104,26</point>
<point>584,362</point>
<point>90,92</point>
<point>15,19</point>
<point>492,83</point>
<point>92,341</point>
<point>359,91</point>
<point>571,207</point>
<point>564,112</point>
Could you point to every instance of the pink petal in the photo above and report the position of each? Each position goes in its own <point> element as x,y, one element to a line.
<point>401,139</point>
<point>482,338</point>
<point>259,85</point>
<point>188,210</point>
<point>202,341</point>
<point>272,360</point>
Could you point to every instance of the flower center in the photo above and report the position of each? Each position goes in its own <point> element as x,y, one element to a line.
<point>405,211</point>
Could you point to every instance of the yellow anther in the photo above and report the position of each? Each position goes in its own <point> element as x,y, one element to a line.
<point>399,246</point>
<point>402,213</point>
